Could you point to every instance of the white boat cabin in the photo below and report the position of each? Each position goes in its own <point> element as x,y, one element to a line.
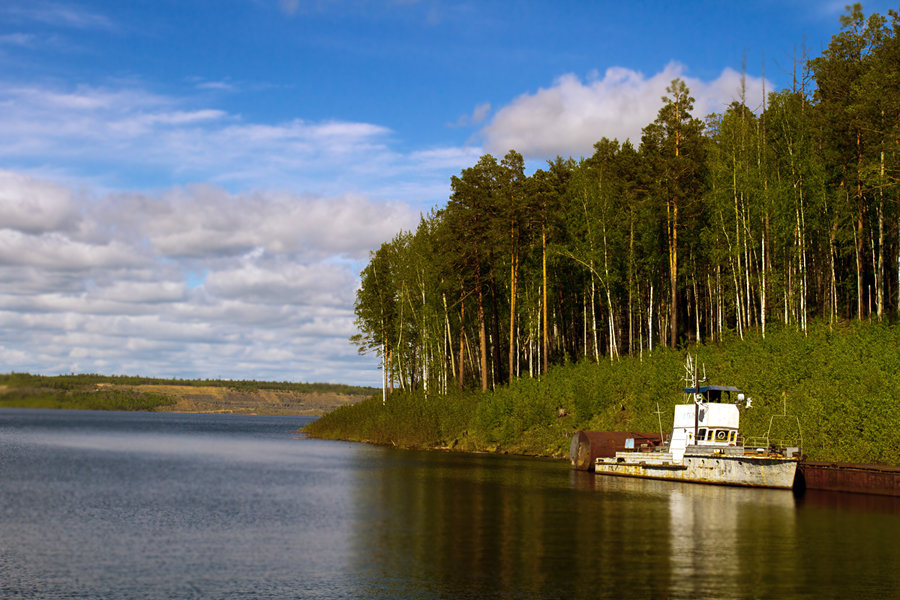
<point>712,419</point>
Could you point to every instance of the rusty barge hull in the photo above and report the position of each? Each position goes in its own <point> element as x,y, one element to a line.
<point>587,446</point>
<point>846,477</point>
<point>744,471</point>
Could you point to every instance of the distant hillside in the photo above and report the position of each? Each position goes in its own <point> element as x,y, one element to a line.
<point>101,392</point>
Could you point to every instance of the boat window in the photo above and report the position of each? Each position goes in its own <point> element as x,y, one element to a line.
<point>721,435</point>
<point>733,436</point>
<point>701,434</point>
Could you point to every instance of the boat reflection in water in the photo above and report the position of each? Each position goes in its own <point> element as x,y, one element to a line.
<point>716,541</point>
<point>446,525</point>
<point>726,542</point>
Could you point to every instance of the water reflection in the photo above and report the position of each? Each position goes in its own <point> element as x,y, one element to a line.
<point>722,538</point>
<point>123,505</point>
<point>462,526</point>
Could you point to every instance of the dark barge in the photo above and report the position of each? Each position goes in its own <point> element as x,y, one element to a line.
<point>847,477</point>
<point>588,446</point>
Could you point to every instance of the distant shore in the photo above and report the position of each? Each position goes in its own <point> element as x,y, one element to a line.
<point>124,393</point>
<point>262,402</point>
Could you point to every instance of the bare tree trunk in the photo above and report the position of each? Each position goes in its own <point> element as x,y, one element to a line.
<point>496,353</point>
<point>546,344</point>
<point>879,269</point>
<point>425,345</point>
<point>720,302</point>
<point>858,234</point>
<point>584,325</point>
<point>630,286</point>
<point>482,333</point>
<point>384,378</point>
<point>613,341</point>
<point>513,285</point>
<point>650,322</point>
<point>762,286</point>
<point>696,311</point>
<point>594,319</point>
<point>462,337</point>
<point>672,214</point>
<point>858,243</point>
<point>762,143</point>
<point>391,367</point>
<point>449,340</point>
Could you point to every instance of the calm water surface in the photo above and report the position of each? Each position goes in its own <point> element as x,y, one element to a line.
<point>155,505</point>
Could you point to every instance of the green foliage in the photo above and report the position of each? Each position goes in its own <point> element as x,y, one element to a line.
<point>407,420</point>
<point>839,382</point>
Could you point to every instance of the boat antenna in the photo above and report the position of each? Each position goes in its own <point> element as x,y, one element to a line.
<point>659,418</point>
<point>692,377</point>
<point>692,380</point>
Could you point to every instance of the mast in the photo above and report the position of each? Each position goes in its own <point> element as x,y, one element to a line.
<point>696,403</point>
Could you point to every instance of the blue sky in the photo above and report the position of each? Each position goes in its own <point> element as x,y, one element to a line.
<point>190,188</point>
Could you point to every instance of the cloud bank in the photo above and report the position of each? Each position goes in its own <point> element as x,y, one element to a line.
<point>194,281</point>
<point>571,115</point>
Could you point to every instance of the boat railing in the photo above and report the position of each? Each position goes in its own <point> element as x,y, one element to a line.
<point>785,446</point>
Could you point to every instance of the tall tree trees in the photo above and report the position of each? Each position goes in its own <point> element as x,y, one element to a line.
<point>376,310</point>
<point>785,214</point>
<point>673,147</point>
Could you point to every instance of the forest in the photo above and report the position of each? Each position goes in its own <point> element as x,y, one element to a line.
<point>719,226</point>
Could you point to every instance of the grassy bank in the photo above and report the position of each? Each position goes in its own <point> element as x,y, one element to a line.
<point>842,382</point>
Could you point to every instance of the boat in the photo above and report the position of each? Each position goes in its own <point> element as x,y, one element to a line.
<point>705,446</point>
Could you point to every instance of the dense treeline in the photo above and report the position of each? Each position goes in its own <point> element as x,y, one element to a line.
<point>81,380</point>
<point>838,382</point>
<point>778,214</point>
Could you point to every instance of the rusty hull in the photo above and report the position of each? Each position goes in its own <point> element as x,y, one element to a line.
<point>748,471</point>
<point>847,477</point>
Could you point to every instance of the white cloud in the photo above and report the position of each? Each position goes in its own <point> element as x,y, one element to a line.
<point>289,7</point>
<point>56,251</point>
<point>58,15</point>
<point>479,114</point>
<point>449,159</point>
<point>317,285</point>
<point>34,206</point>
<point>190,282</point>
<point>16,39</point>
<point>206,221</point>
<point>570,116</point>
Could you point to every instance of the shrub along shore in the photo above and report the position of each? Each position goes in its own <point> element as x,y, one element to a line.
<point>841,381</point>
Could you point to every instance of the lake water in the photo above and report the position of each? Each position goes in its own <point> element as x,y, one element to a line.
<point>156,505</point>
